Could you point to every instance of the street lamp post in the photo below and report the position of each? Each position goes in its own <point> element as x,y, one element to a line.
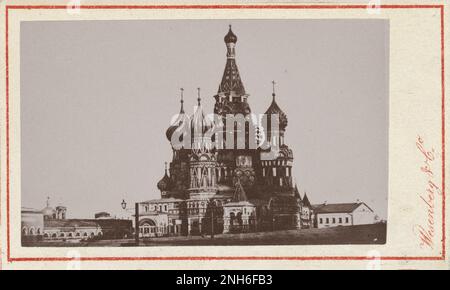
<point>136,220</point>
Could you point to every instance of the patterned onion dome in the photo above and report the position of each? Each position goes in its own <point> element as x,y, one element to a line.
<point>285,152</point>
<point>200,123</point>
<point>181,120</point>
<point>230,37</point>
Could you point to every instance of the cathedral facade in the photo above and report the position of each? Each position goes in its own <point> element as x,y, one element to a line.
<point>231,172</point>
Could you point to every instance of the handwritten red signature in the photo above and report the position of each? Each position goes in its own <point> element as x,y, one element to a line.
<point>426,232</point>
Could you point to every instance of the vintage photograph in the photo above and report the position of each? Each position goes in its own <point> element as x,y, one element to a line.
<point>204,132</point>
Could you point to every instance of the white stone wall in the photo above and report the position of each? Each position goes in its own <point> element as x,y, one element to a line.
<point>363,216</point>
<point>328,220</point>
<point>32,224</point>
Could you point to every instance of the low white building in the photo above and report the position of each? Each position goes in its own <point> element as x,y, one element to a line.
<point>239,215</point>
<point>343,214</point>
<point>32,222</point>
<point>160,217</point>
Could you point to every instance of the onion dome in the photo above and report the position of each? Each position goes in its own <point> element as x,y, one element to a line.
<point>200,124</point>
<point>230,37</point>
<point>48,211</point>
<point>179,121</point>
<point>164,183</point>
<point>285,152</point>
<point>274,109</point>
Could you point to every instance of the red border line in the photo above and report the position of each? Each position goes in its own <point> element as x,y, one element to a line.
<point>219,258</point>
<point>8,229</point>
<point>200,258</point>
<point>443,129</point>
<point>306,6</point>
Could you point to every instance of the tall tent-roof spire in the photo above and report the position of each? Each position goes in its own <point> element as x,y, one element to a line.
<point>231,80</point>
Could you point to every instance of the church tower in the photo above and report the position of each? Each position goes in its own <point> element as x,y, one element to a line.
<point>231,97</point>
<point>178,135</point>
<point>276,161</point>
<point>236,135</point>
<point>203,160</point>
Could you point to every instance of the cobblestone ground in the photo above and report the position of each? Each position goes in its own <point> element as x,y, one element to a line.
<point>364,234</point>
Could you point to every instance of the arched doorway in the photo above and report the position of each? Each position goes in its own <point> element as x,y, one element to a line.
<point>147,228</point>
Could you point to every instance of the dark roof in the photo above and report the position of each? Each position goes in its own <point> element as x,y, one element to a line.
<point>305,201</point>
<point>274,109</point>
<point>337,207</point>
<point>70,223</point>
<point>297,193</point>
<point>30,210</point>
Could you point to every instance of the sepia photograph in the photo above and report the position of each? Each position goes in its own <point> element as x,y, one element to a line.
<point>204,132</point>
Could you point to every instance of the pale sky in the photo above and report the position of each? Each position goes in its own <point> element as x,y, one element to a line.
<point>98,96</point>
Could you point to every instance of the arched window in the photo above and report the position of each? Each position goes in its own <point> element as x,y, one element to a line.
<point>32,231</point>
<point>46,236</point>
<point>38,231</point>
<point>239,218</point>
<point>85,234</point>
<point>70,235</point>
<point>62,235</point>
<point>54,236</point>
<point>232,218</point>
<point>78,234</point>
<point>24,231</point>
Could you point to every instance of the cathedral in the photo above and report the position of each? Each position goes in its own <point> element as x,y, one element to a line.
<point>230,173</point>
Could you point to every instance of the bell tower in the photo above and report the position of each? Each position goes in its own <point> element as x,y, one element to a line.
<point>231,97</point>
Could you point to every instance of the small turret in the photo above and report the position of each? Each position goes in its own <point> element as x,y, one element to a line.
<point>179,122</point>
<point>165,183</point>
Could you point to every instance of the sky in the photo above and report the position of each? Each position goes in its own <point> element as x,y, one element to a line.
<point>98,96</point>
